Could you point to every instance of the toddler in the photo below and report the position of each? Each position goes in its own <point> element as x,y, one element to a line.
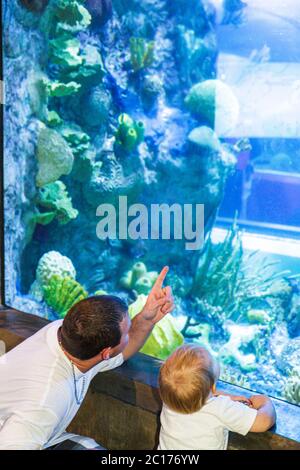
<point>197,417</point>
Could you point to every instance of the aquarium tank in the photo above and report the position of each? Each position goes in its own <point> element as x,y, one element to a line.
<point>128,104</point>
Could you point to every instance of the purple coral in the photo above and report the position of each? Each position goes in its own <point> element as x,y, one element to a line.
<point>101,11</point>
<point>35,6</point>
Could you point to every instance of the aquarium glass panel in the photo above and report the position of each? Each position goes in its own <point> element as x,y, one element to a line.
<point>144,133</point>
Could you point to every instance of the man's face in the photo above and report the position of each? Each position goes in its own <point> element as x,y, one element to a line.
<point>124,326</point>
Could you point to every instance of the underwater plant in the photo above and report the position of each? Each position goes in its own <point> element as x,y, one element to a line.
<point>235,282</point>
<point>49,264</point>
<point>165,337</point>
<point>61,293</point>
<point>54,197</point>
<point>55,157</point>
<point>292,387</point>
<point>130,133</point>
<point>214,103</point>
<point>141,53</point>
<point>139,279</point>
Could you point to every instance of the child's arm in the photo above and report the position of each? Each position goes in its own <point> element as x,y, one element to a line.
<point>266,414</point>
<point>239,398</point>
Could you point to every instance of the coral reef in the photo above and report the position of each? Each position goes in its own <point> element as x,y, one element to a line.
<point>55,158</point>
<point>240,338</point>
<point>214,103</point>
<point>100,10</point>
<point>141,53</point>
<point>51,263</point>
<point>61,293</point>
<point>54,197</point>
<point>165,337</point>
<point>130,133</point>
<point>95,107</point>
<point>292,387</point>
<point>139,279</point>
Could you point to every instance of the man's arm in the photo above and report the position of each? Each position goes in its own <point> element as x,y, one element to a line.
<point>159,303</point>
<point>27,430</point>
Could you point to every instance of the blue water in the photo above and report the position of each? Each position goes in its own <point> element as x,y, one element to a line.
<point>230,143</point>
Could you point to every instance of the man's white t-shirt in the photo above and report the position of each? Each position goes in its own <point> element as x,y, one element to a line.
<point>37,391</point>
<point>206,429</point>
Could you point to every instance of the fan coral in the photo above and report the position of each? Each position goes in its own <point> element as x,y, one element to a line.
<point>61,293</point>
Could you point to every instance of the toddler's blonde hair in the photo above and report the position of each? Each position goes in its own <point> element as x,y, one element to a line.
<point>186,379</point>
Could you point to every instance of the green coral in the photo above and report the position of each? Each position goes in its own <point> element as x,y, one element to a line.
<point>258,316</point>
<point>65,51</point>
<point>53,119</point>
<point>139,279</point>
<point>65,17</point>
<point>72,16</point>
<point>61,293</point>
<point>49,264</point>
<point>59,89</point>
<point>165,337</point>
<point>130,133</point>
<point>54,156</point>
<point>78,141</point>
<point>213,102</point>
<point>91,69</point>
<point>141,53</point>
<point>54,197</point>
<point>292,387</point>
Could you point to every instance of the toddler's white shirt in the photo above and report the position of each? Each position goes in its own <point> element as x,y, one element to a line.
<point>206,429</point>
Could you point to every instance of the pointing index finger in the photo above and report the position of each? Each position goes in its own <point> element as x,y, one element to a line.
<point>161,277</point>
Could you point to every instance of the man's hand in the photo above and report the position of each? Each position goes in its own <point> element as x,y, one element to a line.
<point>160,301</point>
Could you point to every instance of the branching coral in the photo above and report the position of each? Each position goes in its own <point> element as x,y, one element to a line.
<point>130,133</point>
<point>141,53</point>
<point>165,337</point>
<point>61,293</point>
<point>55,157</point>
<point>54,197</point>
<point>79,141</point>
<point>139,279</point>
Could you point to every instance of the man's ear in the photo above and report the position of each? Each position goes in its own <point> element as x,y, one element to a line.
<point>105,354</point>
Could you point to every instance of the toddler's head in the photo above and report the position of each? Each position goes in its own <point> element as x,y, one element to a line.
<point>187,378</point>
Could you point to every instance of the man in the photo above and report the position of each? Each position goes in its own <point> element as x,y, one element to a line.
<point>43,381</point>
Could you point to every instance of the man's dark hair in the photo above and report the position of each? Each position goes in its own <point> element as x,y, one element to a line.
<point>92,325</point>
